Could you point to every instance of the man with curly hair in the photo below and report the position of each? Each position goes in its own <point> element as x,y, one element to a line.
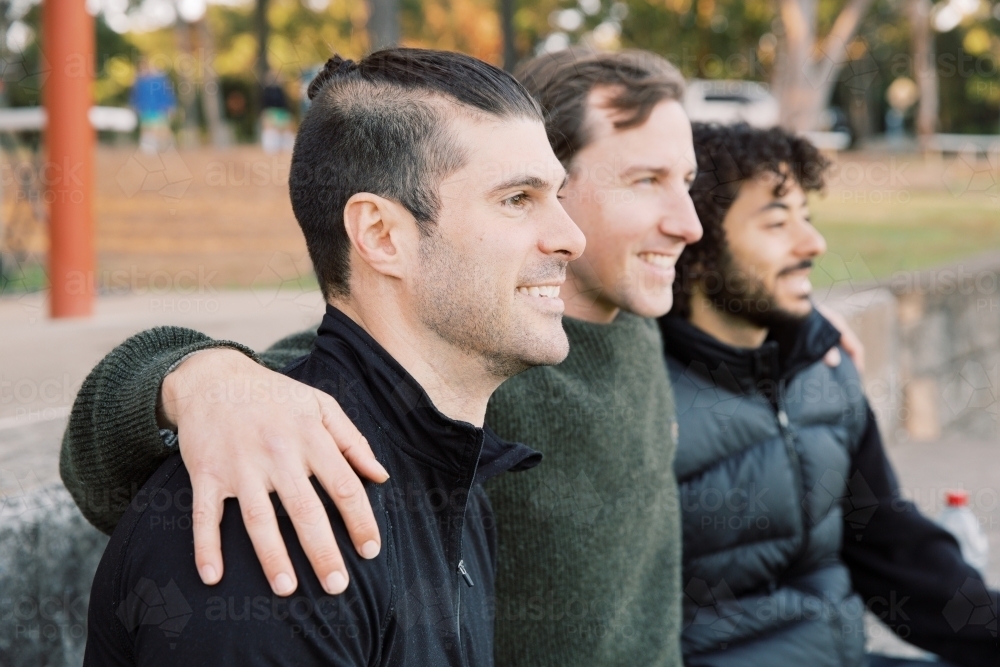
<point>793,525</point>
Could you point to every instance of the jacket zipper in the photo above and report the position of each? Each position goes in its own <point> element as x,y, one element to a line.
<point>465,573</point>
<point>793,455</point>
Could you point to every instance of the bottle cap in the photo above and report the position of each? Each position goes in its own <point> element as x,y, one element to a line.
<point>956,498</point>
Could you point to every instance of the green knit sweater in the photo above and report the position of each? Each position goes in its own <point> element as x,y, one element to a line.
<point>589,542</point>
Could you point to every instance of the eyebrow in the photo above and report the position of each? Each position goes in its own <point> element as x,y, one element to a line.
<point>659,171</point>
<point>641,167</point>
<point>525,181</point>
<point>780,205</point>
<point>774,204</point>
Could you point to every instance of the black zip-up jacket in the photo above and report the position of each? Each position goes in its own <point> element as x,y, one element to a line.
<point>425,600</point>
<point>739,411</point>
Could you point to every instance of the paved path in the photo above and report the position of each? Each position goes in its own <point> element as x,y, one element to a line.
<point>44,362</point>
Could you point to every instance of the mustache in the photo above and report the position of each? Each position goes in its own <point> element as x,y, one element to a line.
<point>550,271</point>
<point>804,264</point>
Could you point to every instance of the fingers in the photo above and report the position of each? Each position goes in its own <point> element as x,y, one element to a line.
<point>312,526</point>
<point>832,357</point>
<point>848,339</point>
<point>354,446</point>
<point>262,526</point>
<point>348,494</point>
<point>206,514</point>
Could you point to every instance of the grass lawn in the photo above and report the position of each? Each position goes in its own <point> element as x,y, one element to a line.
<point>917,230</point>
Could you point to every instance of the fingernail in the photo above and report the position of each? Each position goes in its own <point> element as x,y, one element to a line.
<point>370,549</point>
<point>336,583</point>
<point>208,574</point>
<point>385,472</point>
<point>283,584</point>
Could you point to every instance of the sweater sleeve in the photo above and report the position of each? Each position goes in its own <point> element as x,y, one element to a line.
<point>112,443</point>
<point>910,571</point>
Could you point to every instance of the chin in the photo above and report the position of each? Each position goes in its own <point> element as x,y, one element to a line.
<point>649,305</point>
<point>543,347</point>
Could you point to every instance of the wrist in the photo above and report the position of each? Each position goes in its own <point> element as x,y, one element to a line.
<point>183,380</point>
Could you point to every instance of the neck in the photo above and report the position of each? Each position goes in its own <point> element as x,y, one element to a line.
<point>458,383</point>
<point>729,329</point>
<point>584,303</point>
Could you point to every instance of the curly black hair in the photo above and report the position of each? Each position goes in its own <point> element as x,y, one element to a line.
<point>727,156</point>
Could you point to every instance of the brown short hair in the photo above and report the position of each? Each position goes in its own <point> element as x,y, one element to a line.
<point>562,81</point>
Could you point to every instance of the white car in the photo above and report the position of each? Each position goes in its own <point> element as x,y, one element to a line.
<point>726,102</point>
<point>729,102</point>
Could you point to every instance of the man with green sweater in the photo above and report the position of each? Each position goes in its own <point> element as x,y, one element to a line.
<point>589,543</point>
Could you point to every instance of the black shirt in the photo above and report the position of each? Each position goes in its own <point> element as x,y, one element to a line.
<point>425,600</point>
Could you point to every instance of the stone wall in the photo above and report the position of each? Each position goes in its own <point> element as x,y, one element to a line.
<point>48,555</point>
<point>932,340</point>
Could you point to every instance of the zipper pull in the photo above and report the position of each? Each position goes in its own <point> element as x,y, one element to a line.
<point>465,573</point>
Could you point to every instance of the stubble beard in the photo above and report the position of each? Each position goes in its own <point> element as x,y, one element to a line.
<point>755,304</point>
<point>463,305</point>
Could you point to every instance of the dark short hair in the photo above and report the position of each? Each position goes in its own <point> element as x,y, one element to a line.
<point>379,125</point>
<point>562,81</point>
<point>727,156</point>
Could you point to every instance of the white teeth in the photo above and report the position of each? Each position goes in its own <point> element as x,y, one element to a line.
<point>656,259</point>
<point>549,291</point>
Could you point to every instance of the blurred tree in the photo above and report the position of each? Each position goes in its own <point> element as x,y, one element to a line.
<point>806,66</point>
<point>924,71</point>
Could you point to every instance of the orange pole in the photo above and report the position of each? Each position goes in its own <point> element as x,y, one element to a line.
<point>69,37</point>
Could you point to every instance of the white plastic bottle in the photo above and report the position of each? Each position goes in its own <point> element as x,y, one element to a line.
<point>959,520</point>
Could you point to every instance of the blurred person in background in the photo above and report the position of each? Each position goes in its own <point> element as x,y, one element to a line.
<point>792,516</point>
<point>153,100</point>
<point>276,131</point>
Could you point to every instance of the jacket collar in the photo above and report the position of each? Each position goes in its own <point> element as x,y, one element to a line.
<point>787,350</point>
<point>447,444</point>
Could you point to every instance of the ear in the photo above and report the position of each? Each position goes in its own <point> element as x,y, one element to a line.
<point>381,231</point>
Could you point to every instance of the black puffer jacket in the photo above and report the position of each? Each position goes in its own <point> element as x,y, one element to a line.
<point>765,447</point>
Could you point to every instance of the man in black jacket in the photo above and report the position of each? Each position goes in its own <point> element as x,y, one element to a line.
<point>792,519</point>
<point>441,283</point>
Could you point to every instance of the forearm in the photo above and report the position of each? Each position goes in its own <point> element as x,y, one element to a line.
<point>910,571</point>
<point>112,443</point>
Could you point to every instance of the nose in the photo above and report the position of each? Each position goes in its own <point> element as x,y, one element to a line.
<point>811,242</point>
<point>680,220</point>
<point>562,236</point>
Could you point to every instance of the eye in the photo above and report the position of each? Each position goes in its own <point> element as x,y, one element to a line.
<point>646,180</point>
<point>516,201</point>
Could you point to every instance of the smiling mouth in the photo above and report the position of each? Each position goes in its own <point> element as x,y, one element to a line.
<point>658,260</point>
<point>545,291</point>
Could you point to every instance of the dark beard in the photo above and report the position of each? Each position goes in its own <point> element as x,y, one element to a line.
<point>747,299</point>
